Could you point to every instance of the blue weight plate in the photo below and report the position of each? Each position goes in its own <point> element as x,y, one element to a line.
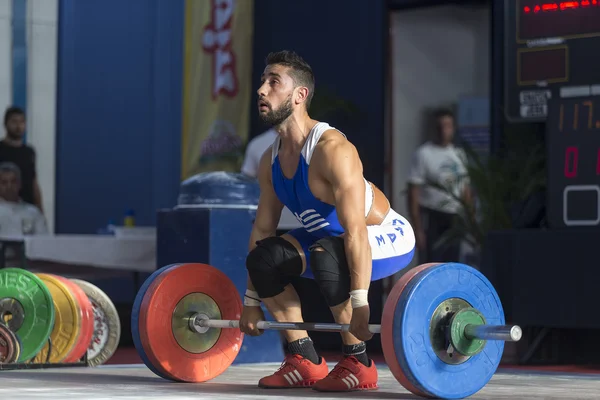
<point>412,342</point>
<point>135,314</point>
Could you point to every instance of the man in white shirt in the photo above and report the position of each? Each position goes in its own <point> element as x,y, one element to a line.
<point>431,210</point>
<point>255,150</point>
<point>16,216</point>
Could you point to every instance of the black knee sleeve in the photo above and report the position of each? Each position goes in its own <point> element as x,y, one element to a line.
<point>271,263</point>
<point>330,267</point>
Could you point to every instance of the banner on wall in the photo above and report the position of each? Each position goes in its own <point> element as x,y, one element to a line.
<point>217,85</point>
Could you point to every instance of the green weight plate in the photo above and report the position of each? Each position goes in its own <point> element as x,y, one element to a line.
<point>26,307</point>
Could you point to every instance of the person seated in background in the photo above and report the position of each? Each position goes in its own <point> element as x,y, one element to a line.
<point>14,149</point>
<point>17,217</point>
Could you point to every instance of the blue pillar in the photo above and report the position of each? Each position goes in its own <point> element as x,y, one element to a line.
<point>19,53</point>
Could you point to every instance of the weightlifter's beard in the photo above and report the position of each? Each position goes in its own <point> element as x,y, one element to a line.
<point>276,117</point>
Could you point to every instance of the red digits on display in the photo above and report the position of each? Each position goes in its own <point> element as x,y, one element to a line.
<point>572,161</point>
<point>562,6</point>
<point>571,158</point>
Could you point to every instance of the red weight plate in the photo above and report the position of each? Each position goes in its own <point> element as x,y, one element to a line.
<point>156,322</point>
<point>8,345</point>
<point>86,330</point>
<point>387,322</point>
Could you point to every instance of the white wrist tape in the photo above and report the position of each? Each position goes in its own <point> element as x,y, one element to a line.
<point>251,298</point>
<point>359,298</point>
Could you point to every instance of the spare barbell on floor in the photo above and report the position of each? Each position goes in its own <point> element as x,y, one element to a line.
<point>49,319</point>
<point>442,329</point>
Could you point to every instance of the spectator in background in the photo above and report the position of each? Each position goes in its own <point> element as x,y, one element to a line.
<point>432,210</point>
<point>16,216</point>
<point>255,150</point>
<point>13,149</point>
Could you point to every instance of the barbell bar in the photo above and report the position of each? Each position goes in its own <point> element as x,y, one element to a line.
<point>508,333</point>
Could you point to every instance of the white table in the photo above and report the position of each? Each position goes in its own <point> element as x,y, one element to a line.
<point>130,249</point>
<point>135,254</point>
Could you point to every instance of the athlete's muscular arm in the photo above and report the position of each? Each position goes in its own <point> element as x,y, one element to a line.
<point>340,165</point>
<point>269,206</point>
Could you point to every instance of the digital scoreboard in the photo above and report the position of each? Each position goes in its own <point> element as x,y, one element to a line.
<point>552,51</point>
<point>573,140</point>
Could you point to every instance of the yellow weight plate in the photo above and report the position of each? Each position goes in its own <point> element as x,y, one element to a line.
<point>17,350</point>
<point>67,321</point>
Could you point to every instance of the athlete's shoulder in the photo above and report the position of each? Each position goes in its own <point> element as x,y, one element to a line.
<point>334,140</point>
<point>333,135</point>
<point>335,149</point>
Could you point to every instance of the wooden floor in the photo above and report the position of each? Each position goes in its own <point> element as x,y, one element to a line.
<point>239,382</point>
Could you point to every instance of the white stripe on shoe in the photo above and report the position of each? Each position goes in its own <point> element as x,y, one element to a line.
<point>354,379</point>
<point>347,382</point>
<point>287,378</point>
<point>298,375</point>
<point>351,381</point>
<point>292,377</point>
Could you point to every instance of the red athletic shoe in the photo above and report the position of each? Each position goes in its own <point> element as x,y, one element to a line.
<point>295,372</point>
<point>349,375</point>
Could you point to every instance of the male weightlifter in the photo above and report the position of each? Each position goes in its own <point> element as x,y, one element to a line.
<point>350,235</point>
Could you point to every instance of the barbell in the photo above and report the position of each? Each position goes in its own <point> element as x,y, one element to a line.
<point>199,321</point>
<point>441,323</point>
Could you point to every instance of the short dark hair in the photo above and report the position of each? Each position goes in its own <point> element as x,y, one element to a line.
<point>10,111</point>
<point>301,72</point>
<point>443,112</point>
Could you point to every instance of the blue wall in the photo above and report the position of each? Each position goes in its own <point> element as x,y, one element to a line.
<point>119,94</point>
<point>19,53</point>
<point>119,110</point>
